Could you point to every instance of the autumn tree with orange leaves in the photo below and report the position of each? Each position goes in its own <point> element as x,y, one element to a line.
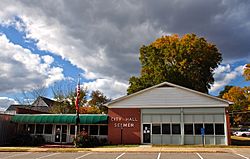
<point>188,61</point>
<point>241,98</point>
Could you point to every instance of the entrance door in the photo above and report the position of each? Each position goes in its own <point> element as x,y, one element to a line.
<point>146,133</point>
<point>61,133</point>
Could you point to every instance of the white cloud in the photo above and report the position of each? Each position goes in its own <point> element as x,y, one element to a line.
<point>111,88</point>
<point>224,75</point>
<point>5,102</point>
<point>22,70</point>
<point>103,37</point>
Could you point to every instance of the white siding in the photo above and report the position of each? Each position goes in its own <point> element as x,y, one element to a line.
<point>168,97</point>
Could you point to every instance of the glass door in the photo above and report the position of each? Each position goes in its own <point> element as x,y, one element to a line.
<point>146,133</point>
<point>61,133</point>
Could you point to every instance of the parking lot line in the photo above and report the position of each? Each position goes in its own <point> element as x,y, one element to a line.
<point>199,155</point>
<point>120,155</point>
<point>84,155</point>
<point>17,155</point>
<point>48,155</point>
<point>241,155</point>
<point>159,156</point>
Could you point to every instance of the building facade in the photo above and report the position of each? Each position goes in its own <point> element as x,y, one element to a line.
<point>168,114</point>
<point>60,128</point>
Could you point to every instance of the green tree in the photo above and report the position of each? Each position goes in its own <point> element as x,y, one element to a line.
<point>188,61</point>
<point>246,72</point>
<point>98,99</point>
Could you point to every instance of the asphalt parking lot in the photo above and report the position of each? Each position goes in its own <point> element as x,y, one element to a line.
<point>243,154</point>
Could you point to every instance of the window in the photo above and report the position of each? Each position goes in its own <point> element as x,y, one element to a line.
<point>209,129</point>
<point>72,129</point>
<point>176,129</point>
<point>31,128</point>
<point>48,129</point>
<point>93,130</point>
<point>39,129</point>
<point>84,128</point>
<point>219,129</point>
<point>156,129</point>
<point>188,129</point>
<point>103,130</point>
<point>165,128</point>
<point>197,128</point>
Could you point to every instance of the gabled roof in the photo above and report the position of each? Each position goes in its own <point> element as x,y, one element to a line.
<point>45,102</point>
<point>13,107</point>
<point>166,84</point>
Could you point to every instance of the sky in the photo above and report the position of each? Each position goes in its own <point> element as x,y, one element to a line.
<point>44,44</point>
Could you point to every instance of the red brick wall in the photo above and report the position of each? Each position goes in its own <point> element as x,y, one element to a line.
<point>228,127</point>
<point>124,126</point>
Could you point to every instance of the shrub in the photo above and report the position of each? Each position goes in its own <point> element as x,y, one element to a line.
<point>27,140</point>
<point>84,140</point>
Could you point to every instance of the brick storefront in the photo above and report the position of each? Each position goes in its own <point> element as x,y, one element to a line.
<point>124,126</point>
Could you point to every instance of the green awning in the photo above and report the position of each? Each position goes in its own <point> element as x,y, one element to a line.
<point>60,118</point>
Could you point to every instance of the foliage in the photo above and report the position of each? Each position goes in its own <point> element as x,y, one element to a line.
<point>188,61</point>
<point>84,140</point>
<point>241,98</point>
<point>66,97</point>
<point>27,140</point>
<point>98,99</point>
<point>89,110</point>
<point>226,89</point>
<point>246,72</point>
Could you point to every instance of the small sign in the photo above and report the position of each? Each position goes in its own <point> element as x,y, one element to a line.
<point>202,131</point>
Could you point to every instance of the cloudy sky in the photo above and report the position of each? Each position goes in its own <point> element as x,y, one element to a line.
<point>43,43</point>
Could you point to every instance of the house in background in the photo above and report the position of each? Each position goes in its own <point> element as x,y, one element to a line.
<point>41,105</point>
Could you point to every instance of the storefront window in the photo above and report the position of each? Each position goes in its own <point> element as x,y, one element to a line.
<point>84,128</point>
<point>72,129</point>
<point>48,129</point>
<point>176,129</point>
<point>165,128</point>
<point>39,129</point>
<point>197,128</point>
<point>219,129</point>
<point>31,128</point>
<point>209,129</point>
<point>188,129</point>
<point>93,130</point>
<point>103,130</point>
<point>156,129</point>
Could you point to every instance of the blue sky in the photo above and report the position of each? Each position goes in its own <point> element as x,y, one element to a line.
<point>50,43</point>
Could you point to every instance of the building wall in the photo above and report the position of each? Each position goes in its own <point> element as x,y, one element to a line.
<point>168,97</point>
<point>7,129</point>
<point>124,126</point>
<point>214,118</point>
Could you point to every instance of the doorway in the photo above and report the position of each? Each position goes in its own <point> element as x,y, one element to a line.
<point>146,133</point>
<point>61,133</point>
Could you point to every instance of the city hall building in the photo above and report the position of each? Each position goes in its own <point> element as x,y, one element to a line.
<point>168,114</point>
<point>163,114</point>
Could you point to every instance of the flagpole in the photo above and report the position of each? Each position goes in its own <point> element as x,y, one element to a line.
<point>77,106</point>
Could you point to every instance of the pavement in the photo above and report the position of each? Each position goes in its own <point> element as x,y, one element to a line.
<point>139,148</point>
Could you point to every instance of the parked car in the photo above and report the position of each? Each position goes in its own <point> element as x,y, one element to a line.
<point>242,132</point>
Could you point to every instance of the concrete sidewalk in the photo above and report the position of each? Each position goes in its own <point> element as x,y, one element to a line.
<point>145,149</point>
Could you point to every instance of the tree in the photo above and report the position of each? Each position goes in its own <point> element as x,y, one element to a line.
<point>29,96</point>
<point>98,99</point>
<point>241,98</point>
<point>246,72</point>
<point>66,95</point>
<point>188,61</point>
<point>226,89</point>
